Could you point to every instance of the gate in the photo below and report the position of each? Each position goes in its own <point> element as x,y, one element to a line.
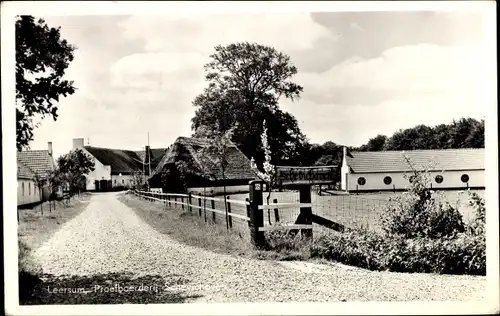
<point>301,179</point>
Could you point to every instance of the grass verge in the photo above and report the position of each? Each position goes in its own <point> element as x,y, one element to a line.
<point>190,229</point>
<point>34,228</point>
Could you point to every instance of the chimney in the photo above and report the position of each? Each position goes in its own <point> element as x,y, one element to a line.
<point>50,148</point>
<point>77,143</point>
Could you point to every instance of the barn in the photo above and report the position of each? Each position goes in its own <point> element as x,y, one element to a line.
<point>452,169</point>
<point>118,168</point>
<point>188,167</point>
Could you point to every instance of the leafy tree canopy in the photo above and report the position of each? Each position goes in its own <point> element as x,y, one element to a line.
<point>42,58</point>
<point>245,83</point>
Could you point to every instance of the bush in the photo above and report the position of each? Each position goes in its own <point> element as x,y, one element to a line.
<point>288,245</point>
<point>421,212</point>
<point>463,254</point>
<point>476,227</point>
<point>421,233</point>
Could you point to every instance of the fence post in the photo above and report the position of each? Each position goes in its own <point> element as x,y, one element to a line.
<point>189,202</point>
<point>199,209</point>
<point>182,201</point>
<point>305,216</point>
<point>175,201</point>
<point>276,212</point>
<point>205,208</point>
<point>213,208</point>
<point>256,215</point>
<point>229,217</point>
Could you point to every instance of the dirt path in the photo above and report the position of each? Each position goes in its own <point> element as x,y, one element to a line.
<point>109,237</point>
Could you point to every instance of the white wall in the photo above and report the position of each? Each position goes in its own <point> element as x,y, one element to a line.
<point>123,180</point>
<point>451,179</point>
<point>30,194</point>
<point>101,172</point>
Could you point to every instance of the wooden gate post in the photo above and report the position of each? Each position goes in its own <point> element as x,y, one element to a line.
<point>229,217</point>
<point>189,202</point>
<point>276,212</point>
<point>256,215</point>
<point>305,216</point>
<point>213,208</point>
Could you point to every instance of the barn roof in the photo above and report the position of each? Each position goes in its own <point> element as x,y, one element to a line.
<point>434,160</point>
<point>201,163</point>
<point>121,161</point>
<point>38,161</point>
<point>24,172</point>
<point>125,161</point>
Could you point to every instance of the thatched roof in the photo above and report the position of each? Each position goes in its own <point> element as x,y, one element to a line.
<point>199,162</point>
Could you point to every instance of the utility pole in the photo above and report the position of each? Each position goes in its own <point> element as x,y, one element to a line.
<point>149,157</point>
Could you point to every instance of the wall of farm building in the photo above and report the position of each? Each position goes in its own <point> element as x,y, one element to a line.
<point>101,172</point>
<point>451,180</point>
<point>27,192</point>
<point>124,180</point>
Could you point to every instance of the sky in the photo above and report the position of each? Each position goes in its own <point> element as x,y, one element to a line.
<point>363,73</point>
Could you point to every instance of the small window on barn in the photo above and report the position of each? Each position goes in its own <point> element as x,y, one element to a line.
<point>22,187</point>
<point>464,178</point>
<point>361,181</point>
<point>115,181</point>
<point>123,181</point>
<point>29,188</point>
<point>439,178</point>
<point>387,180</point>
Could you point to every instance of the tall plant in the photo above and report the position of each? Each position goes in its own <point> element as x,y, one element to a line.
<point>269,173</point>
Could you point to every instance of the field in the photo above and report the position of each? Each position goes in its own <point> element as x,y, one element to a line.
<point>351,210</point>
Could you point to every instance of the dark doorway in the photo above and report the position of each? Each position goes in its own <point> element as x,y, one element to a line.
<point>96,184</point>
<point>104,185</point>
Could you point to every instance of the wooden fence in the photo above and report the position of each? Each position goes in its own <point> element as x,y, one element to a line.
<point>254,211</point>
<point>199,203</point>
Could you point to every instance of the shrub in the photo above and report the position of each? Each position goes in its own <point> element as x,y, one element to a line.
<point>463,254</point>
<point>288,245</point>
<point>421,212</point>
<point>476,227</point>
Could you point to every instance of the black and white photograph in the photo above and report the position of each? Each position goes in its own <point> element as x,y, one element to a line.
<point>286,157</point>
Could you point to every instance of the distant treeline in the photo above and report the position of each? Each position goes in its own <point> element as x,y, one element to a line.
<point>464,133</point>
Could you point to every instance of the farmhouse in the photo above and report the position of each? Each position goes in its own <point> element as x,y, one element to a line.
<point>385,170</point>
<point>30,165</point>
<point>117,167</point>
<point>187,166</point>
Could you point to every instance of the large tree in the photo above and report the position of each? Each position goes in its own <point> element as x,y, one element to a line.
<point>376,143</point>
<point>42,58</point>
<point>245,84</point>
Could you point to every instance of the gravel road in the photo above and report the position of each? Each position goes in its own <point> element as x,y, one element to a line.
<point>109,237</point>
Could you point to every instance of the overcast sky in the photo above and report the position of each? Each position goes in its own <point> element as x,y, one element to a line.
<point>363,73</point>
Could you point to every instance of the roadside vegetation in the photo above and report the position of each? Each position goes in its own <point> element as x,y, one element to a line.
<point>421,232</point>
<point>34,228</point>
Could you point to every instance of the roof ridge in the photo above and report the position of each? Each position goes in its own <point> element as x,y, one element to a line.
<point>413,150</point>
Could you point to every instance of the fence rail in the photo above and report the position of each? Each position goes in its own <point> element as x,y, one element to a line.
<point>167,200</point>
<point>297,210</point>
